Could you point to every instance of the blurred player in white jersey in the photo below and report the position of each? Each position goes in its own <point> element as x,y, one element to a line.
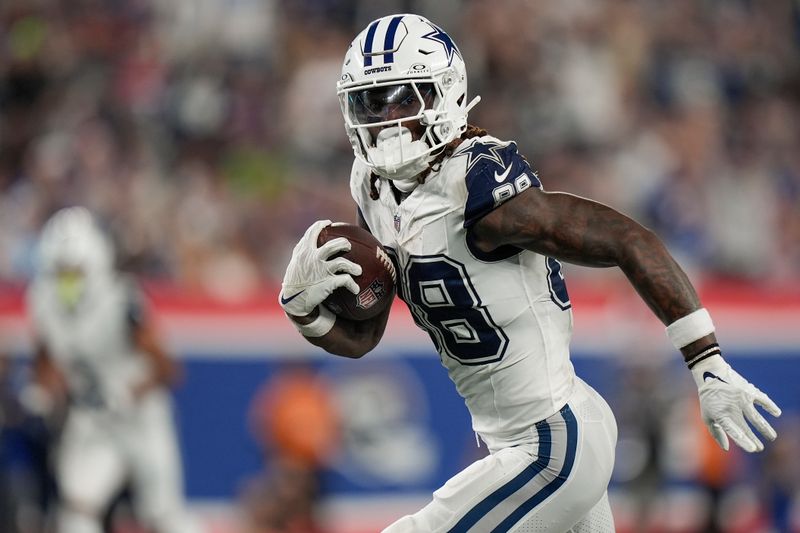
<point>477,243</point>
<point>96,350</point>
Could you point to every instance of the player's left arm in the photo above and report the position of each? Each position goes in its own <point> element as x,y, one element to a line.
<point>581,231</point>
<point>164,370</point>
<point>47,392</point>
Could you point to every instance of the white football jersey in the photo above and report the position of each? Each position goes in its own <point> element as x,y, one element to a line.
<point>501,321</point>
<point>92,343</point>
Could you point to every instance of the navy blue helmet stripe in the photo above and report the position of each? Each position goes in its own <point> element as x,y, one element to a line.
<point>495,498</point>
<point>368,43</point>
<point>550,488</point>
<point>388,42</point>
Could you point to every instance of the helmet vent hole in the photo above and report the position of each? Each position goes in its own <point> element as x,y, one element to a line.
<point>460,100</point>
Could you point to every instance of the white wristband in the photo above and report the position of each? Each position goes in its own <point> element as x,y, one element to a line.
<point>320,326</point>
<point>689,328</point>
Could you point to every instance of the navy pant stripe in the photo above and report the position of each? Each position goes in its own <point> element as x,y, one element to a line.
<point>550,488</point>
<point>388,42</point>
<point>530,471</point>
<point>368,43</point>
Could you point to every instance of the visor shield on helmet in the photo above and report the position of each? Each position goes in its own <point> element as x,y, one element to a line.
<point>386,104</point>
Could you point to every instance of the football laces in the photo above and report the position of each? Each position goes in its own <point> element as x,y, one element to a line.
<point>387,263</point>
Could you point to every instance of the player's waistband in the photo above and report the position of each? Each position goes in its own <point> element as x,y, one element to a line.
<point>584,401</point>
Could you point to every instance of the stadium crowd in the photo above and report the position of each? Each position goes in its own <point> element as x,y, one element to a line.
<point>207,134</point>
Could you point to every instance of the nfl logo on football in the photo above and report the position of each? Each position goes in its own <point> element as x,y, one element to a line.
<point>370,295</point>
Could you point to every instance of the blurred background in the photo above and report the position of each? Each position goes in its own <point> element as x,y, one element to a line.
<point>206,135</point>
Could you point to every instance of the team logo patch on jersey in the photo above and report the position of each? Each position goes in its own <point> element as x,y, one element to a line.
<point>397,222</point>
<point>489,151</point>
<point>370,296</point>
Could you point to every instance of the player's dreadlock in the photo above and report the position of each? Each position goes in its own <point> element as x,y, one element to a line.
<point>471,131</point>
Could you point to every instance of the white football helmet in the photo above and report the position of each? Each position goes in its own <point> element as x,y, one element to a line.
<point>74,254</point>
<point>403,93</point>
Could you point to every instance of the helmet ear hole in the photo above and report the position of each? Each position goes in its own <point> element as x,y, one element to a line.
<point>442,132</point>
<point>461,98</point>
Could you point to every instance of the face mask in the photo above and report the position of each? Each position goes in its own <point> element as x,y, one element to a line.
<point>397,157</point>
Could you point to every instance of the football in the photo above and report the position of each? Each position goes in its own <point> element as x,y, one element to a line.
<point>377,279</point>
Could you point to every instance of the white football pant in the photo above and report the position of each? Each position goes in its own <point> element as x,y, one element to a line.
<point>556,482</point>
<point>100,451</point>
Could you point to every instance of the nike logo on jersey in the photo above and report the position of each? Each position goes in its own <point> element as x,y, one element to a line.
<point>707,375</point>
<point>285,301</point>
<point>500,178</point>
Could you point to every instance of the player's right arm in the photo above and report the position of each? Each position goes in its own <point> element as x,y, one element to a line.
<point>312,275</point>
<point>348,338</point>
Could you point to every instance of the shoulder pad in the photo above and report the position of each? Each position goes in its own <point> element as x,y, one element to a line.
<point>495,173</point>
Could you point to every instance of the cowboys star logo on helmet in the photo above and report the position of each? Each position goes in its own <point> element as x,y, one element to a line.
<point>403,93</point>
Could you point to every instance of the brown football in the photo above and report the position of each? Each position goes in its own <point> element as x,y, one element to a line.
<point>377,279</point>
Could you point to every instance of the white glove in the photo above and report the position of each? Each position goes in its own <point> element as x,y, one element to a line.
<point>312,276</point>
<point>727,404</point>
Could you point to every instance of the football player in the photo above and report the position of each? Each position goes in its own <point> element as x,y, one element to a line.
<point>96,350</point>
<point>477,243</point>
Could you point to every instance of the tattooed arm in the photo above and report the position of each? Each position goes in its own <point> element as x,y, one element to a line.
<point>585,232</point>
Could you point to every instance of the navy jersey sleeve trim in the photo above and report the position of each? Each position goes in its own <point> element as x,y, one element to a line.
<point>496,172</point>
